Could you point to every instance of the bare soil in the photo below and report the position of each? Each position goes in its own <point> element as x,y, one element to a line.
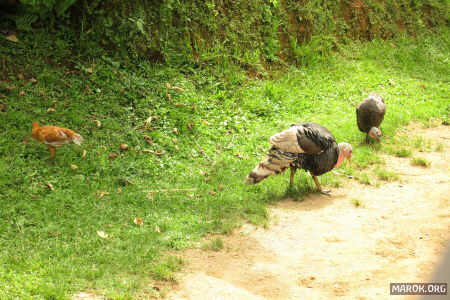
<point>329,248</point>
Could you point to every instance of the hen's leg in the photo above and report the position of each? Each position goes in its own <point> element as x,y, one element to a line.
<point>52,154</point>
<point>316,181</point>
<point>293,170</point>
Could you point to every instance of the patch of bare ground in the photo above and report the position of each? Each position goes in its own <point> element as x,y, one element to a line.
<point>328,248</point>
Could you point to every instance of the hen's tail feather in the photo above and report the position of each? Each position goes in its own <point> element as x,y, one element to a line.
<point>77,139</point>
<point>274,163</point>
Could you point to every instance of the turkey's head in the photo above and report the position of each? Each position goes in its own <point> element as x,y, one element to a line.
<point>345,152</point>
<point>375,133</point>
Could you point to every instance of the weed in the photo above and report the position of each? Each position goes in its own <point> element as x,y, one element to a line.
<point>419,161</point>
<point>215,244</point>
<point>363,178</point>
<point>422,144</point>
<point>439,147</point>
<point>356,202</point>
<point>403,152</point>
<point>386,175</point>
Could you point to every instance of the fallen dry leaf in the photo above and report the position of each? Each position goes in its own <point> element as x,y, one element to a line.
<point>102,194</point>
<point>241,156</point>
<point>20,76</point>
<point>73,167</point>
<point>159,152</point>
<point>112,155</point>
<point>99,124</point>
<point>175,130</point>
<point>84,153</point>
<point>2,107</point>
<point>22,93</point>
<point>54,104</point>
<point>138,221</point>
<point>148,121</point>
<point>212,193</point>
<point>12,38</point>
<point>204,122</point>
<point>119,190</point>
<point>25,140</point>
<point>157,229</point>
<point>148,139</point>
<point>177,148</point>
<point>89,70</point>
<point>50,186</point>
<point>177,88</point>
<point>102,234</point>
<point>220,188</point>
<point>51,110</point>
<point>169,97</point>
<point>190,126</point>
<point>191,195</point>
<point>180,104</point>
<point>33,80</point>
<point>123,147</point>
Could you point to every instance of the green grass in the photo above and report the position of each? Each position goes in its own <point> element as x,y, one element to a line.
<point>214,245</point>
<point>363,178</point>
<point>419,161</point>
<point>49,241</point>
<point>439,147</point>
<point>356,202</point>
<point>399,152</point>
<point>386,175</point>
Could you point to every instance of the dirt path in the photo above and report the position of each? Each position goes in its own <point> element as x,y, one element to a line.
<point>327,248</point>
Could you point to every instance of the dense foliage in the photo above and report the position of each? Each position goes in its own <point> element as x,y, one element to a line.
<point>246,32</point>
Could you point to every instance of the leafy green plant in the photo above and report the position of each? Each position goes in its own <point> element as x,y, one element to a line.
<point>419,161</point>
<point>216,244</point>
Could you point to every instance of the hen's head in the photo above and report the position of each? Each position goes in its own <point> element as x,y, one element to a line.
<point>375,133</point>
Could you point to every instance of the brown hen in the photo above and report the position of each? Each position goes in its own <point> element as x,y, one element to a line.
<point>54,137</point>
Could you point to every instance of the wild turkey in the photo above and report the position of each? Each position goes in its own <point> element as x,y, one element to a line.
<point>307,146</point>
<point>370,114</point>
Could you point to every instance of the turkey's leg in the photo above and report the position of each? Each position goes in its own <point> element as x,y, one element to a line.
<point>293,170</point>
<point>316,181</point>
<point>367,138</point>
<point>52,154</point>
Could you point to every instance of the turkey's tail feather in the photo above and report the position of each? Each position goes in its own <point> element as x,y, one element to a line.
<point>274,163</point>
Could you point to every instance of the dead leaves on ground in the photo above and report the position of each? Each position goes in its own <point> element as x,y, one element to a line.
<point>50,186</point>
<point>138,221</point>
<point>12,38</point>
<point>102,234</point>
<point>101,194</point>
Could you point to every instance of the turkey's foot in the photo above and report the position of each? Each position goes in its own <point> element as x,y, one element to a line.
<point>324,192</point>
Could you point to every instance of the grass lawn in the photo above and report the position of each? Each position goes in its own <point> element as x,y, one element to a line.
<point>191,150</point>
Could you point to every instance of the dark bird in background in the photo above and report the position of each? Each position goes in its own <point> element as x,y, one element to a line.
<point>370,114</point>
<point>54,137</point>
<point>307,146</point>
